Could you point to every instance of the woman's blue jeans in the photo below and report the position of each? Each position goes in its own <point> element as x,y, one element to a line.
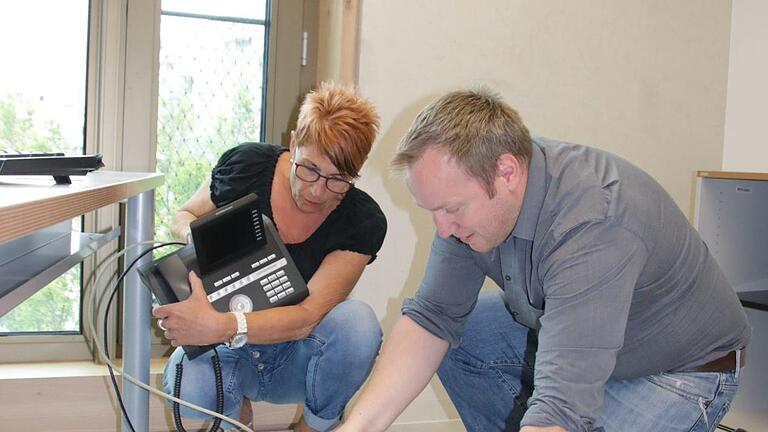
<point>488,378</point>
<point>322,371</point>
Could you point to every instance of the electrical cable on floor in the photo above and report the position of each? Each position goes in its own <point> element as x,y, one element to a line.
<point>217,416</point>
<point>106,342</point>
<point>95,305</point>
<point>106,329</point>
<point>730,429</point>
<point>215,359</point>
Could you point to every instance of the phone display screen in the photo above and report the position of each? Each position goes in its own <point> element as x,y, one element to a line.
<point>227,237</point>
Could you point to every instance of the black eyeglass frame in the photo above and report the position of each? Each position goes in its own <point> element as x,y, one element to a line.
<point>314,170</point>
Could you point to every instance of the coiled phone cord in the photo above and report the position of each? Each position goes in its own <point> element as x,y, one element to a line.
<point>219,392</point>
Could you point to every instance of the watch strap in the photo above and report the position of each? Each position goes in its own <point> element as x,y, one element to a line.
<point>242,330</point>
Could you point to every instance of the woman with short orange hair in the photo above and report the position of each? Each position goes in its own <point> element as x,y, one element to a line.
<point>319,351</point>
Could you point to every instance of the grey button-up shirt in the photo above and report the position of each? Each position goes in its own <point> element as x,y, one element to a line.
<point>605,266</point>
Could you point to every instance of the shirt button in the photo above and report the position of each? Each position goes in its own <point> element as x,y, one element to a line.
<point>508,277</point>
<point>256,354</point>
<point>260,366</point>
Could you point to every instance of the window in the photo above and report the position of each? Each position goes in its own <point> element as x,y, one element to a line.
<point>123,98</point>
<point>211,91</point>
<point>42,109</point>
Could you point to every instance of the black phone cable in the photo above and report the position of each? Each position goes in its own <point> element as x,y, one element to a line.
<point>106,317</point>
<point>215,360</point>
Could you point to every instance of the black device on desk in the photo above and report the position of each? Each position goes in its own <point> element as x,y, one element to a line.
<point>238,254</point>
<point>57,165</point>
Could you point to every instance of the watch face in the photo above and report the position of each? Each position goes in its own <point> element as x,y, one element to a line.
<point>241,337</point>
<point>238,340</point>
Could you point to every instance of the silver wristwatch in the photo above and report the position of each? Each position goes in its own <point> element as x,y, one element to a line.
<point>241,336</point>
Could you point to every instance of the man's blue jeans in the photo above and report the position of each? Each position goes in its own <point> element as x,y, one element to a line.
<point>322,371</point>
<point>484,377</point>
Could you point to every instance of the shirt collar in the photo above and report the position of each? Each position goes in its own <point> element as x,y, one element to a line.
<point>533,200</point>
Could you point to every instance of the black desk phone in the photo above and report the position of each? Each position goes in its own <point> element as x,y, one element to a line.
<point>238,254</point>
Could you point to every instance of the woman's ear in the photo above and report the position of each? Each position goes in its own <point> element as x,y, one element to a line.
<point>292,145</point>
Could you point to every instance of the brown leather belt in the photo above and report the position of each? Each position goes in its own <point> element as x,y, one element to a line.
<point>726,363</point>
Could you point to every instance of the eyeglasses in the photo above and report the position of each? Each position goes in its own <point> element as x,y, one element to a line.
<point>310,175</point>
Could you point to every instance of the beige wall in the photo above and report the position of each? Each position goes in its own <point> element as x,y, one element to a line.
<point>644,79</point>
<point>746,145</point>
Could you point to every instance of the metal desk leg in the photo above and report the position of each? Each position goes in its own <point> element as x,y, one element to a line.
<point>136,313</point>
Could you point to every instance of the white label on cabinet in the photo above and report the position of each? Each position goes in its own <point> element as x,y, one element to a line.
<point>743,189</point>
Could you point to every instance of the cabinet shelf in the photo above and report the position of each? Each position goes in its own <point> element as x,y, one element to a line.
<point>754,299</point>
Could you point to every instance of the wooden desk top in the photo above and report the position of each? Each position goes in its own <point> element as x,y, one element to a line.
<point>732,175</point>
<point>29,203</point>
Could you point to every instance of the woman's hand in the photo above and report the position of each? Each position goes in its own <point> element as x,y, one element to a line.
<point>194,321</point>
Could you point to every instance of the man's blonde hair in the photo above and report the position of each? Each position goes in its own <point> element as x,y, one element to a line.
<point>341,123</point>
<point>476,127</point>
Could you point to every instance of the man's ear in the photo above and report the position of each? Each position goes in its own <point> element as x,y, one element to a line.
<point>510,170</point>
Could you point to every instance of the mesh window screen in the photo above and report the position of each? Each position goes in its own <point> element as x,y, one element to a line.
<point>210,98</point>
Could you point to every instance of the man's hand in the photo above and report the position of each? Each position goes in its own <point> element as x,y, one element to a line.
<point>408,360</point>
<point>194,321</point>
<point>542,429</point>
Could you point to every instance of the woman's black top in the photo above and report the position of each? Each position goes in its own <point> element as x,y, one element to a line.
<point>357,224</point>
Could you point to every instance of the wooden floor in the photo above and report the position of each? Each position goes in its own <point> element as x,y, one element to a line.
<point>78,397</point>
<point>750,421</point>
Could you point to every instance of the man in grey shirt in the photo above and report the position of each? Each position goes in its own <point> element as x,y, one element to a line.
<point>614,316</point>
